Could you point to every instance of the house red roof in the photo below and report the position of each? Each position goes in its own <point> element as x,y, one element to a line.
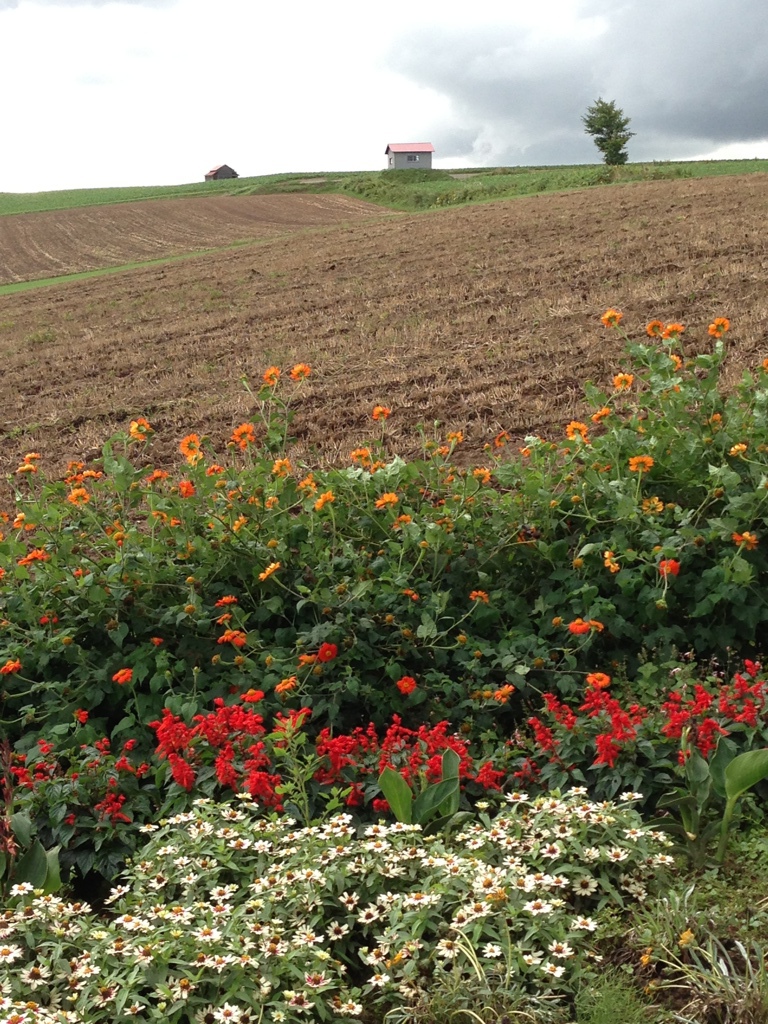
<point>409,147</point>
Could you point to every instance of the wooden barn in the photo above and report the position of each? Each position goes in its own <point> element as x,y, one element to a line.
<point>220,172</point>
<point>402,156</point>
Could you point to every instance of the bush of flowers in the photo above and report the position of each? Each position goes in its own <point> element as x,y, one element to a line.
<point>87,799</point>
<point>231,916</point>
<point>127,589</point>
<point>643,741</point>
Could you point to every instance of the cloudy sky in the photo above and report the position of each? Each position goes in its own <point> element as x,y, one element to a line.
<point>99,93</point>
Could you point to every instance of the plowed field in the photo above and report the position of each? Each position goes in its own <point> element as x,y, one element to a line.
<point>485,318</point>
<point>41,245</point>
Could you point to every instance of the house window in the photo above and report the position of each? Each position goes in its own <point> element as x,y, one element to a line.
<point>412,158</point>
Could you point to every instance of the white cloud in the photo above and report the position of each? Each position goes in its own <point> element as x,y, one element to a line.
<point>158,91</point>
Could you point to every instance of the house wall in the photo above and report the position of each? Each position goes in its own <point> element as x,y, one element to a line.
<point>223,172</point>
<point>400,161</point>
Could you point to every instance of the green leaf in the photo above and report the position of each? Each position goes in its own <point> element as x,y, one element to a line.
<point>433,796</point>
<point>22,828</point>
<point>451,762</point>
<point>53,874</point>
<point>725,753</point>
<point>745,771</point>
<point>32,867</point>
<point>398,794</point>
<point>428,627</point>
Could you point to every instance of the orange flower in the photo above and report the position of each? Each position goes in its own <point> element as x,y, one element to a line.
<point>37,555</point>
<point>501,439</point>
<point>483,474</point>
<point>381,412</point>
<point>610,562</point>
<point>765,365</point>
<point>719,327</point>
<point>308,484</point>
<point>78,496</point>
<point>286,685</point>
<point>307,659</point>
<point>324,499</point>
<point>31,456</point>
<point>669,567</point>
<point>455,437</point>
<point>386,499</point>
<point>189,447</point>
<point>300,371</point>
<point>123,676</point>
<point>623,381</point>
<point>10,667</point>
<point>272,567</point>
<point>140,429</point>
<point>401,521</point>
<point>673,331</point>
<point>611,318</point>
<point>406,685</point>
<point>243,435</point>
<point>272,501</point>
<point>479,595</point>
<point>186,489</point>
<point>738,449</point>
<point>156,640</point>
<point>411,593</point>
<point>503,694</point>
<point>599,680</point>
<point>233,636</point>
<point>155,475</point>
<point>225,600</point>
<point>281,467</point>
<point>640,463</point>
<point>271,376</point>
<point>574,428</point>
<point>252,696</point>
<point>596,417</point>
<point>747,539</point>
<point>578,627</point>
<point>597,626</point>
<point>27,467</point>
<point>361,455</point>
<point>655,329</point>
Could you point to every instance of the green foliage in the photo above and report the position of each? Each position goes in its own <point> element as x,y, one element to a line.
<point>436,804</point>
<point>608,126</point>
<point>612,998</point>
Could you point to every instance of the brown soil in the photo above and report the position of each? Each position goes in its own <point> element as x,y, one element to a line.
<point>40,245</point>
<point>485,318</point>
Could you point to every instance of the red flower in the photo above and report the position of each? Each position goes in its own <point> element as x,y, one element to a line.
<point>81,715</point>
<point>183,773</point>
<point>669,567</point>
<point>406,685</point>
<point>122,676</point>
<point>186,488</point>
<point>327,652</point>
<point>10,666</point>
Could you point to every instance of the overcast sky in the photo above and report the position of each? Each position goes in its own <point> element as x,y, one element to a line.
<point>142,92</point>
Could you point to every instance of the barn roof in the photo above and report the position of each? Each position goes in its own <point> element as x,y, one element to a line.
<point>410,147</point>
<point>218,167</point>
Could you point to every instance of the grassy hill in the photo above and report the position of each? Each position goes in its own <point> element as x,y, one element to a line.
<point>405,190</point>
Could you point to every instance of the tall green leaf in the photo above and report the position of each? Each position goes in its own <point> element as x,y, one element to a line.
<point>745,771</point>
<point>398,794</point>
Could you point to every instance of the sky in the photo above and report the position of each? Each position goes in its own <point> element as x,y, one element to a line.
<point>152,92</point>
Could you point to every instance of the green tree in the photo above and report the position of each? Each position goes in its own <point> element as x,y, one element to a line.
<point>607,124</point>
